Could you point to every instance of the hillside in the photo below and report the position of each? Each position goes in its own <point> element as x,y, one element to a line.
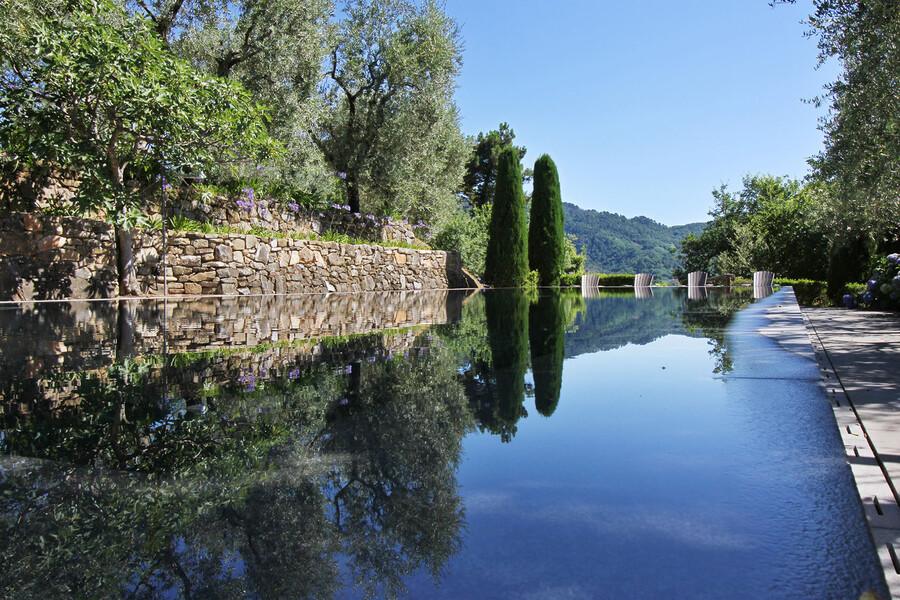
<point>616,244</point>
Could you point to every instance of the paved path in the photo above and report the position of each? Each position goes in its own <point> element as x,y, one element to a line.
<point>859,356</point>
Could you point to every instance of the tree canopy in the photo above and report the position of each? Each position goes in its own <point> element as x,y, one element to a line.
<point>765,226</point>
<point>88,87</point>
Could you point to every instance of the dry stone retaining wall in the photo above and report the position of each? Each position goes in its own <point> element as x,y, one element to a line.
<point>207,263</point>
<point>45,257</point>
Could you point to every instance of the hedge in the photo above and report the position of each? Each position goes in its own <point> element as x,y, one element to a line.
<point>808,291</point>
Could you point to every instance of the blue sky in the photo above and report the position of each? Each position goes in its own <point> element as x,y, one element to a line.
<point>645,105</point>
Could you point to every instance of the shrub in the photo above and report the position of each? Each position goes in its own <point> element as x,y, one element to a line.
<point>882,290</point>
<point>612,279</point>
<point>809,292</point>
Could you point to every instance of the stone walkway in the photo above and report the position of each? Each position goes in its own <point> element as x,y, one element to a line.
<point>859,357</point>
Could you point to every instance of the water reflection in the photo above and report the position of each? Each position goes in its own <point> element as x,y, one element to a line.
<point>276,447</point>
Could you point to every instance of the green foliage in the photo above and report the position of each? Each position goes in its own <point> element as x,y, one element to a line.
<point>767,226</point>
<point>547,322</point>
<point>614,279</point>
<point>546,235</point>
<point>466,232</point>
<point>96,90</point>
<point>506,312</point>
<point>574,260</point>
<point>387,121</point>
<point>614,243</point>
<point>481,169</point>
<point>532,280</point>
<point>882,290</point>
<point>808,291</point>
<point>861,159</point>
<point>506,261</point>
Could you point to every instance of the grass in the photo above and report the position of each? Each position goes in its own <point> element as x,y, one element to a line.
<point>179,223</point>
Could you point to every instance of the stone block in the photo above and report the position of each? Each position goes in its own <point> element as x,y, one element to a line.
<point>238,243</point>
<point>32,223</point>
<point>251,241</point>
<point>49,242</point>
<point>192,288</point>
<point>189,260</point>
<point>399,259</point>
<point>262,253</point>
<point>224,253</point>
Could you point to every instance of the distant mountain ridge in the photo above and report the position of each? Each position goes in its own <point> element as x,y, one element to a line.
<point>617,244</point>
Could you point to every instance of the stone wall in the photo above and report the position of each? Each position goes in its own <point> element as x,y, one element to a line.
<point>209,264</point>
<point>45,258</point>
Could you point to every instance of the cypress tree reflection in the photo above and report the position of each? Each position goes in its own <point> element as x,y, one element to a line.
<point>506,312</point>
<point>547,335</point>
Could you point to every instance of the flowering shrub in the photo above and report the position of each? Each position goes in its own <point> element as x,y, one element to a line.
<point>882,290</point>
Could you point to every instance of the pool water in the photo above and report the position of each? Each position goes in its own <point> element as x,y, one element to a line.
<point>433,445</point>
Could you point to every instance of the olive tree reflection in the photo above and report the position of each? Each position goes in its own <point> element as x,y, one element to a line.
<point>266,494</point>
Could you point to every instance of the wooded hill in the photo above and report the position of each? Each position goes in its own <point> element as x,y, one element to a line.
<point>616,244</point>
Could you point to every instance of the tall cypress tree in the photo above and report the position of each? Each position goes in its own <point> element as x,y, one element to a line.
<point>506,261</point>
<point>546,237</point>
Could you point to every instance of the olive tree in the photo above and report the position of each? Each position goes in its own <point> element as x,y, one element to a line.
<point>387,122</point>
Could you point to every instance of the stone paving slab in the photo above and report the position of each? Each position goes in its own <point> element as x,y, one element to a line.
<point>859,356</point>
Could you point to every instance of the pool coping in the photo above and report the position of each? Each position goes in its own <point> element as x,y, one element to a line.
<point>864,393</point>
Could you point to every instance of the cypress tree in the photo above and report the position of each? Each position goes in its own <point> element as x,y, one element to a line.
<point>546,237</point>
<point>506,261</point>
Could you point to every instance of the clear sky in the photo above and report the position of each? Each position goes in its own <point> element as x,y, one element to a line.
<point>645,105</point>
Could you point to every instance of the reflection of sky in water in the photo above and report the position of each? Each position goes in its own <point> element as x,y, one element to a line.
<point>655,478</point>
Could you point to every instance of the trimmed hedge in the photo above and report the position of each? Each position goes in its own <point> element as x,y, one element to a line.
<point>570,279</point>
<point>611,279</point>
<point>808,291</point>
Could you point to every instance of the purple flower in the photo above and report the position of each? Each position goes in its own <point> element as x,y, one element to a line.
<point>342,175</point>
<point>249,382</point>
<point>344,402</point>
<point>249,193</point>
<point>896,282</point>
<point>872,284</point>
<point>848,301</point>
<point>346,207</point>
<point>245,205</point>
<point>868,297</point>
<point>294,206</point>
<point>893,258</point>
<point>294,374</point>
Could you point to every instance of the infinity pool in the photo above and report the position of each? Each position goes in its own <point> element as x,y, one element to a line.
<point>430,445</point>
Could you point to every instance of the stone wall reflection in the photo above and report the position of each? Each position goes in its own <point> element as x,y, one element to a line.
<point>45,348</point>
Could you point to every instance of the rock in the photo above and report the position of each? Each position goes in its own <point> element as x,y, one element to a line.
<point>224,253</point>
